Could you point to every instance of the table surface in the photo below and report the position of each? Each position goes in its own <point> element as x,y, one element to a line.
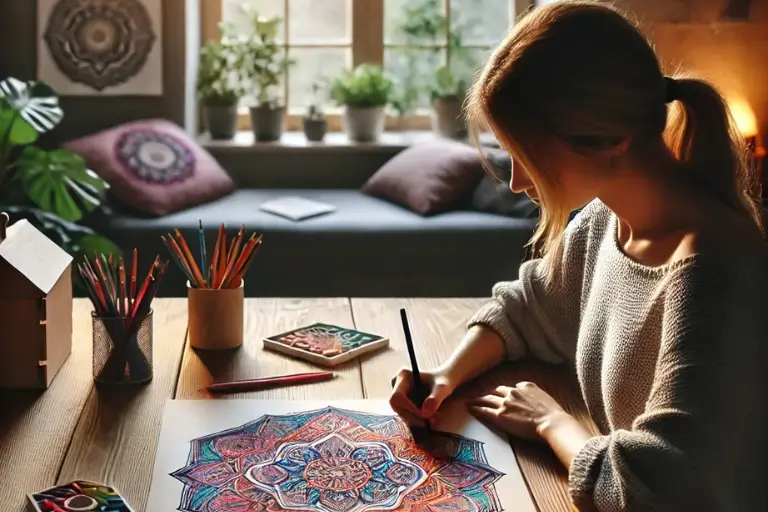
<point>74,430</point>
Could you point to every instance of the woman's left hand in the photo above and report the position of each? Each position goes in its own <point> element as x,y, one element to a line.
<point>524,410</point>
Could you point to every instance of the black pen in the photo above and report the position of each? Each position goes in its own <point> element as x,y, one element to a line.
<point>419,392</point>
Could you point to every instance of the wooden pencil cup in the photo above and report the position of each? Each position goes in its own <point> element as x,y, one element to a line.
<point>216,317</point>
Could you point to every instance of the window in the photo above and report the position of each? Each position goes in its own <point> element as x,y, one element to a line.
<point>328,36</point>
<point>318,39</point>
<point>421,36</point>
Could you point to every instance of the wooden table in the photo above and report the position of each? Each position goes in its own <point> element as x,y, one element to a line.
<point>74,430</point>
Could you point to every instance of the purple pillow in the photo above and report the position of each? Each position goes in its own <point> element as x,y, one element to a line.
<point>153,166</point>
<point>429,177</point>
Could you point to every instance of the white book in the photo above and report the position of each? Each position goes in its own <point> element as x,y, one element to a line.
<point>296,208</point>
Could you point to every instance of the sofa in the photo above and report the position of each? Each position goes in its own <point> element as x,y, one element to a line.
<point>367,248</point>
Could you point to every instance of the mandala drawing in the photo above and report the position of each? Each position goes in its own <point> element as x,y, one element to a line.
<point>155,157</point>
<point>99,43</point>
<point>333,460</point>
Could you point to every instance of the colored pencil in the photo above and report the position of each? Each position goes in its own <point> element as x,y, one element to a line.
<point>203,255</point>
<point>229,260</point>
<point>420,391</point>
<point>255,384</point>
<point>121,310</point>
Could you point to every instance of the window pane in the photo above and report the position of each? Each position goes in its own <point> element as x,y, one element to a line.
<point>314,64</point>
<point>468,62</point>
<point>414,72</point>
<point>231,11</point>
<point>313,24</point>
<point>481,22</point>
<point>415,13</point>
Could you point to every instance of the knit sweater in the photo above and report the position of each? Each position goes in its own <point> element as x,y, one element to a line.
<point>671,363</point>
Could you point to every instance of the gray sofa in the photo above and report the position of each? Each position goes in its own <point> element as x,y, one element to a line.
<point>367,248</point>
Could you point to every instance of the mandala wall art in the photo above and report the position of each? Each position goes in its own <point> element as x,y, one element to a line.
<point>100,47</point>
<point>330,459</point>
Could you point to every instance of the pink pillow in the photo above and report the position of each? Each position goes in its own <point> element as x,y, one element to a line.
<point>428,177</point>
<point>153,166</point>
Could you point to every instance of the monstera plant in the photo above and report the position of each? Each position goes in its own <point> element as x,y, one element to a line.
<point>53,189</point>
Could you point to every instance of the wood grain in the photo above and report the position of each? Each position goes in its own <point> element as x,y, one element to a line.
<point>36,426</point>
<point>116,437</point>
<point>437,326</point>
<point>266,317</point>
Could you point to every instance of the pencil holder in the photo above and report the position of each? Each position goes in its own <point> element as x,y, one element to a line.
<point>216,317</point>
<point>122,355</point>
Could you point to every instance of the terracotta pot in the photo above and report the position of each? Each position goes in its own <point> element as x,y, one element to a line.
<point>220,121</point>
<point>268,122</point>
<point>364,124</point>
<point>447,117</point>
<point>315,129</point>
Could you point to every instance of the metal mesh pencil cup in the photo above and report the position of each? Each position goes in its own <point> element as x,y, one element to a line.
<point>122,356</point>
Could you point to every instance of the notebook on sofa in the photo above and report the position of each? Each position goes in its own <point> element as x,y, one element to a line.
<point>296,208</point>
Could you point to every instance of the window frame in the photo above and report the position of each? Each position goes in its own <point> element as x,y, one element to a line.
<point>368,45</point>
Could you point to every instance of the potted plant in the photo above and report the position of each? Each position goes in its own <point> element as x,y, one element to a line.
<point>314,123</point>
<point>264,64</point>
<point>447,103</point>
<point>220,85</point>
<point>364,92</point>
<point>53,189</point>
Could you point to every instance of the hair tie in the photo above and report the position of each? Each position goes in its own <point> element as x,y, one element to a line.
<point>670,88</point>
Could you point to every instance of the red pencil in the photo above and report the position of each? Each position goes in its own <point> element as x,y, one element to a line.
<point>255,384</point>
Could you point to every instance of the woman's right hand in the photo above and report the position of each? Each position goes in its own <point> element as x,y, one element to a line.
<point>438,385</point>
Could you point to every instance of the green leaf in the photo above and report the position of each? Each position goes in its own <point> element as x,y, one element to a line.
<point>89,244</point>
<point>367,85</point>
<point>35,102</point>
<point>59,182</point>
<point>14,130</point>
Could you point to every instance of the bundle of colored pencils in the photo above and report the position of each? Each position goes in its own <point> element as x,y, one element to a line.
<point>229,262</point>
<point>122,306</point>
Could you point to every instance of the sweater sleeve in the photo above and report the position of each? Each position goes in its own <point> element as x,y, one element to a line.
<point>686,451</point>
<point>534,317</point>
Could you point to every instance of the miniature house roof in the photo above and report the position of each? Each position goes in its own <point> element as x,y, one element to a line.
<point>34,256</point>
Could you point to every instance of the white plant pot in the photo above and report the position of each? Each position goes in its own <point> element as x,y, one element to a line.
<point>364,124</point>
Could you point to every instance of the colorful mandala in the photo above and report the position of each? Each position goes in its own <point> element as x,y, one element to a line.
<point>332,460</point>
<point>99,43</point>
<point>155,157</point>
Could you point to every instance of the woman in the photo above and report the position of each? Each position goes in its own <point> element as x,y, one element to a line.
<point>655,291</point>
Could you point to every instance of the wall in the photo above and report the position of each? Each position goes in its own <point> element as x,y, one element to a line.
<point>697,35</point>
<point>83,115</point>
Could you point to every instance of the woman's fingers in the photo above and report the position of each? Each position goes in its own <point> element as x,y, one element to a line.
<point>492,401</point>
<point>399,399</point>
<point>502,391</point>
<point>435,399</point>
<point>484,413</point>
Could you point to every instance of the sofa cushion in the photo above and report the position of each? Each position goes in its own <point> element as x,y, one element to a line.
<point>153,166</point>
<point>429,177</point>
<point>368,247</point>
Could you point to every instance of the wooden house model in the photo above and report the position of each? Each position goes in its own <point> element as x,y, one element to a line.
<point>35,306</point>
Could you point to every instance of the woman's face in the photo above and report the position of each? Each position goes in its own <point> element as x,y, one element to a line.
<point>573,174</point>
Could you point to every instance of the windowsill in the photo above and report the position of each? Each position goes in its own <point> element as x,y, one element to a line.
<point>334,141</point>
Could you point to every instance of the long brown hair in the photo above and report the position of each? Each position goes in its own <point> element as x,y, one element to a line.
<point>582,72</point>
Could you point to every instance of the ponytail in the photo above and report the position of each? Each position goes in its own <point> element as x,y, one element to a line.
<point>703,135</point>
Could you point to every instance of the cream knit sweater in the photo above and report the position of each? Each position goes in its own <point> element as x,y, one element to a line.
<point>671,363</point>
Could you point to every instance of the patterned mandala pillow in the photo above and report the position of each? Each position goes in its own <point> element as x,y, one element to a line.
<point>154,166</point>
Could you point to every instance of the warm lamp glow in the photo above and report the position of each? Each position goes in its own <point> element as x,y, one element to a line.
<point>744,117</point>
